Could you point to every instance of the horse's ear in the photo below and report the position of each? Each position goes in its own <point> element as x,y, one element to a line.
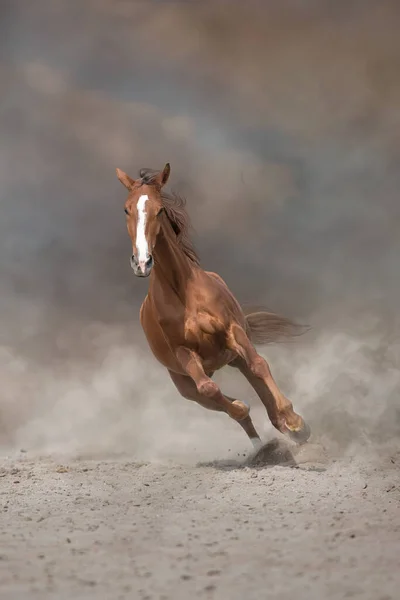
<point>127,181</point>
<point>163,176</point>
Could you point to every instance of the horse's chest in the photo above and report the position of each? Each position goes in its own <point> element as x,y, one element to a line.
<point>163,333</point>
<point>161,328</point>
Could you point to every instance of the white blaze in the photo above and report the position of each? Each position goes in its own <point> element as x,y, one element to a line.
<point>141,242</point>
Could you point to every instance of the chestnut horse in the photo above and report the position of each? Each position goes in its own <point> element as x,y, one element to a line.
<point>193,323</point>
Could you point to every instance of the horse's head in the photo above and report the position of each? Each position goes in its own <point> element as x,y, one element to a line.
<point>143,208</point>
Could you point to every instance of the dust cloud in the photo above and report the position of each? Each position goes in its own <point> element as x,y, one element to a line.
<point>280,121</point>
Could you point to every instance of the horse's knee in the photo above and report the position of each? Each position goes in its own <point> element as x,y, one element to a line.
<point>208,388</point>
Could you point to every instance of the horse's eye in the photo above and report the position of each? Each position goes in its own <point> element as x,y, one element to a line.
<point>126,211</point>
<point>160,211</point>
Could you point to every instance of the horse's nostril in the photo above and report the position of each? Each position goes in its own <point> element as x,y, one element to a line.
<point>142,266</point>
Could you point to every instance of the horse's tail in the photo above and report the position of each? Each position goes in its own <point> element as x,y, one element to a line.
<point>264,327</point>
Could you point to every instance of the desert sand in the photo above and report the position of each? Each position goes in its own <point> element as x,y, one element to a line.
<point>283,524</point>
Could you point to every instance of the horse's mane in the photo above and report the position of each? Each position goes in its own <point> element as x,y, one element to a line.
<point>174,206</point>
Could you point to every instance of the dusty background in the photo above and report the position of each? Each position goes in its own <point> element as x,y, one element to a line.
<point>281,124</point>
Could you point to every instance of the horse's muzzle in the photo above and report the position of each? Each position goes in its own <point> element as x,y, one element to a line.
<point>142,268</point>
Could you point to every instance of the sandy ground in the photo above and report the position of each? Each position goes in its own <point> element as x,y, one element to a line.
<point>279,525</point>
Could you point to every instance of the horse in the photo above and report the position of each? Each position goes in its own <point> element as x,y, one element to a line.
<point>193,323</point>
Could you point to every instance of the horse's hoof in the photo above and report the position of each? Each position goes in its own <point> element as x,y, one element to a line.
<point>301,435</point>
<point>240,412</point>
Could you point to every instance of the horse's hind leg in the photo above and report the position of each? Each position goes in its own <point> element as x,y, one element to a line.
<point>187,388</point>
<point>257,372</point>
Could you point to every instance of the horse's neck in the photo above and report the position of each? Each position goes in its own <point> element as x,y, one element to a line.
<point>172,268</point>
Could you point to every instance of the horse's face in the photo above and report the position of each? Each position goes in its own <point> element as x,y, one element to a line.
<point>143,208</point>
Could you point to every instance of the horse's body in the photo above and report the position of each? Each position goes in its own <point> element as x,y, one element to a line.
<point>193,323</point>
<point>198,328</point>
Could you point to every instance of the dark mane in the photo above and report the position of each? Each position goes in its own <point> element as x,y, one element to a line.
<point>174,206</point>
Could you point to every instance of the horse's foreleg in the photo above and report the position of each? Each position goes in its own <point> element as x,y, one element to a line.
<point>257,372</point>
<point>206,387</point>
<point>187,388</point>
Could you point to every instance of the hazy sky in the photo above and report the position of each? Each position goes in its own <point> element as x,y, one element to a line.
<point>280,124</point>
